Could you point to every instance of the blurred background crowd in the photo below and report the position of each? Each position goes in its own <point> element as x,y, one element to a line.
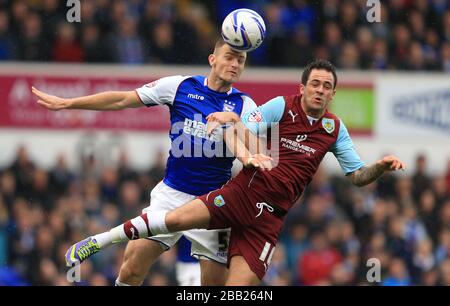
<point>403,220</point>
<point>412,34</point>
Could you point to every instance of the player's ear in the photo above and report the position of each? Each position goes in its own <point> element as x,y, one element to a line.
<point>333,94</point>
<point>301,88</point>
<point>211,59</point>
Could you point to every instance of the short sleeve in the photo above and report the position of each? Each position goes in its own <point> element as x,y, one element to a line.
<point>248,105</point>
<point>345,152</point>
<point>160,92</point>
<point>260,118</point>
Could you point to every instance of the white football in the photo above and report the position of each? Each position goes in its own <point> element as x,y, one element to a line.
<point>244,30</point>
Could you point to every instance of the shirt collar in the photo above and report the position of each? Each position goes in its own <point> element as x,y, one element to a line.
<point>205,83</point>
<point>311,120</point>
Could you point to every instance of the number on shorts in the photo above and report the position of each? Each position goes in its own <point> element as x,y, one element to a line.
<point>266,254</point>
<point>223,241</point>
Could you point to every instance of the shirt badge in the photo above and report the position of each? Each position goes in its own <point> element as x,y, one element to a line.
<point>228,106</point>
<point>328,125</point>
<point>219,201</point>
<point>255,116</point>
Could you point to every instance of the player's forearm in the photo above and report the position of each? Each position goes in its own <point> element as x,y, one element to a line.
<point>235,145</point>
<point>109,100</point>
<point>367,174</point>
<point>252,142</point>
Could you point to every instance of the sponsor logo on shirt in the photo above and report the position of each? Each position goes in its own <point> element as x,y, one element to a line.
<point>255,116</point>
<point>196,97</point>
<point>293,115</point>
<point>296,146</point>
<point>222,254</point>
<point>301,138</point>
<point>198,129</point>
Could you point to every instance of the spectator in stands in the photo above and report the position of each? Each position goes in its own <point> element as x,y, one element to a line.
<point>445,56</point>
<point>444,269</point>
<point>31,38</point>
<point>96,47</point>
<point>4,222</point>
<point>411,35</point>
<point>316,264</point>
<point>420,180</point>
<point>428,212</point>
<point>8,47</point>
<point>397,275</point>
<point>163,48</point>
<point>129,46</point>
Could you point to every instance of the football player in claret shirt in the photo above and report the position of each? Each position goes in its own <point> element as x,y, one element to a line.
<point>193,167</point>
<point>256,201</point>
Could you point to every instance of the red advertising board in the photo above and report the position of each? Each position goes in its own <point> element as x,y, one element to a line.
<point>18,107</point>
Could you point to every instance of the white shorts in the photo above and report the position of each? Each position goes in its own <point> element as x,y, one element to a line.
<point>206,244</point>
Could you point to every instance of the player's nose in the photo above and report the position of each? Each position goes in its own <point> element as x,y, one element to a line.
<point>319,89</point>
<point>234,63</point>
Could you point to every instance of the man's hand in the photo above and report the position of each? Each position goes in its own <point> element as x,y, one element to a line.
<point>260,161</point>
<point>391,163</point>
<point>50,102</point>
<point>217,119</point>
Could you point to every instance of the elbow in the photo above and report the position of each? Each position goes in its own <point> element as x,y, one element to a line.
<point>119,105</point>
<point>123,104</point>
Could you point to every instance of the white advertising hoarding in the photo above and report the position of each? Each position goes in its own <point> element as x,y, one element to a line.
<point>413,106</point>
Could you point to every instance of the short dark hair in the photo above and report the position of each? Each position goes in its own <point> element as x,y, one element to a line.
<point>219,44</point>
<point>321,65</point>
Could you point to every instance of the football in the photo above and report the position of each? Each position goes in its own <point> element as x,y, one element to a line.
<point>244,30</point>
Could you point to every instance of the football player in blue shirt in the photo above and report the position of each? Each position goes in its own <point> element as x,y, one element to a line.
<point>193,167</point>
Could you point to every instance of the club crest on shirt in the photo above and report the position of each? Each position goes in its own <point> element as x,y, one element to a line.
<point>228,106</point>
<point>328,125</point>
<point>255,116</point>
<point>219,201</point>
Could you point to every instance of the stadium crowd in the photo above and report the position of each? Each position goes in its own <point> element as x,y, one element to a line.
<point>411,34</point>
<point>402,220</point>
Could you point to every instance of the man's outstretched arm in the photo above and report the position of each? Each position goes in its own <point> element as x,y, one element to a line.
<point>109,100</point>
<point>369,174</point>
